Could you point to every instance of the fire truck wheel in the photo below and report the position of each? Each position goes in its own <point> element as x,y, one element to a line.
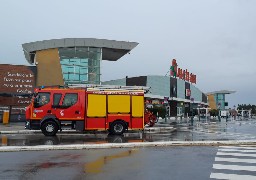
<point>49,128</point>
<point>117,128</point>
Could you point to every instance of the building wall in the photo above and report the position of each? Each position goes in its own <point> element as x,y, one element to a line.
<point>165,86</point>
<point>48,68</point>
<point>211,101</point>
<point>136,81</point>
<point>180,89</point>
<point>121,82</point>
<point>204,98</point>
<point>196,93</point>
<point>160,85</point>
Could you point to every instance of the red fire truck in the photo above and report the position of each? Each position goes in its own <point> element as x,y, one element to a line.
<point>116,110</point>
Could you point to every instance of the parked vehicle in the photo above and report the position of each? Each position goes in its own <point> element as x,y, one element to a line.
<point>115,110</point>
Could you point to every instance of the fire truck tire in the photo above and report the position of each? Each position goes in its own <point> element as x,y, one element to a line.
<point>117,128</point>
<point>49,128</point>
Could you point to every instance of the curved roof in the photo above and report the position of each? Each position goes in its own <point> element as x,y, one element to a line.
<point>221,92</point>
<point>111,50</point>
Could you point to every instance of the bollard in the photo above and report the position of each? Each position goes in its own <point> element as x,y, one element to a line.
<point>4,140</point>
<point>6,117</point>
<point>219,118</point>
<point>192,120</point>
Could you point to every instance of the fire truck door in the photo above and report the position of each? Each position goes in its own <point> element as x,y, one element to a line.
<point>56,104</point>
<point>42,105</point>
<point>69,107</point>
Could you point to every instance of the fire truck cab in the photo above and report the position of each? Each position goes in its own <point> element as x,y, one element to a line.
<point>54,109</point>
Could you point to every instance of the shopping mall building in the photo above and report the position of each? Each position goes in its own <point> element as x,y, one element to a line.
<point>73,60</point>
<point>177,95</point>
<point>78,61</point>
<point>217,99</point>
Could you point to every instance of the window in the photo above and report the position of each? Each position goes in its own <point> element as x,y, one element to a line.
<point>41,99</point>
<point>80,64</point>
<point>56,99</point>
<point>70,99</point>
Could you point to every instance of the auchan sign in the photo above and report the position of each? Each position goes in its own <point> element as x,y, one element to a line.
<point>182,74</point>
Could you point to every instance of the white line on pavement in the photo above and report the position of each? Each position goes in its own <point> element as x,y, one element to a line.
<point>238,150</point>
<point>234,167</point>
<point>235,154</point>
<point>235,160</point>
<point>126,145</point>
<point>232,176</point>
<point>239,147</point>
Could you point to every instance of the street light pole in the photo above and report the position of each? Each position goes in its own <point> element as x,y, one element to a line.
<point>191,111</point>
<point>219,112</point>
<point>198,113</point>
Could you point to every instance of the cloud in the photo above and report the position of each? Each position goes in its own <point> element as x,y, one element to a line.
<point>214,39</point>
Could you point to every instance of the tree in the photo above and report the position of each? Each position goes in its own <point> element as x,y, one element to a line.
<point>214,112</point>
<point>247,107</point>
<point>158,109</point>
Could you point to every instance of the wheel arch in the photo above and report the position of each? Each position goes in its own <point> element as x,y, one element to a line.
<point>126,124</point>
<point>50,118</point>
<point>116,129</point>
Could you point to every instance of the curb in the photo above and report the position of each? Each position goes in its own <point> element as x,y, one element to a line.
<point>160,129</point>
<point>124,145</point>
<point>20,132</point>
<point>147,129</point>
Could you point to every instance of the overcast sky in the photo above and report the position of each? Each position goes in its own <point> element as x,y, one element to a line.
<point>214,39</point>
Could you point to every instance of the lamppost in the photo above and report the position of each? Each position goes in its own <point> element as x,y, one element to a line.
<point>199,105</point>
<point>219,112</point>
<point>166,105</point>
<point>191,111</point>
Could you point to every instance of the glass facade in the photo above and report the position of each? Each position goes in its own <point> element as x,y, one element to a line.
<point>220,101</point>
<point>80,65</point>
<point>160,85</point>
<point>181,89</point>
<point>196,93</point>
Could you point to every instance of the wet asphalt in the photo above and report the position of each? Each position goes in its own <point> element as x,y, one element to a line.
<point>200,131</point>
<point>110,164</point>
<point>180,162</point>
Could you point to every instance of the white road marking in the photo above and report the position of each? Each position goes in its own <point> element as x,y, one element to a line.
<point>239,147</point>
<point>239,153</point>
<point>235,160</point>
<point>239,150</point>
<point>234,167</point>
<point>235,154</point>
<point>232,176</point>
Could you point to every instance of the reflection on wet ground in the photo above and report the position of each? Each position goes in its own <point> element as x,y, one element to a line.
<point>96,166</point>
<point>238,130</point>
<point>39,139</point>
<point>67,160</point>
<point>67,164</point>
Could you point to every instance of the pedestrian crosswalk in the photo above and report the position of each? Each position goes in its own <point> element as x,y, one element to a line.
<point>235,163</point>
